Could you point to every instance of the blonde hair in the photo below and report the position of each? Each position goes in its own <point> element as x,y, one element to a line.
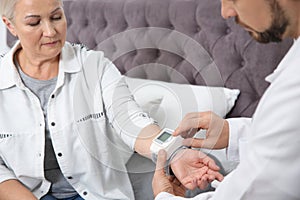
<point>7,8</point>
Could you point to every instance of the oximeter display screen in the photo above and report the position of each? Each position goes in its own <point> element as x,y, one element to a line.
<point>163,137</point>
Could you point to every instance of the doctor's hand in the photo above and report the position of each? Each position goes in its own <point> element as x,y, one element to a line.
<point>195,169</point>
<point>217,130</point>
<point>163,183</point>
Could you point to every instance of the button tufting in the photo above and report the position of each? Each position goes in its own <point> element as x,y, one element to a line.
<point>125,26</point>
<point>105,24</point>
<point>134,52</point>
<point>158,53</point>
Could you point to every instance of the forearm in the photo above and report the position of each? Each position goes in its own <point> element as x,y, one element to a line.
<point>144,140</point>
<point>14,190</point>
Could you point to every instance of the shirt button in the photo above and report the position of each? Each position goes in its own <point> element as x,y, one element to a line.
<point>70,177</point>
<point>52,123</point>
<point>52,96</point>
<point>59,154</point>
<point>85,193</point>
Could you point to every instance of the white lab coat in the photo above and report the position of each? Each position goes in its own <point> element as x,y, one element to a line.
<point>270,155</point>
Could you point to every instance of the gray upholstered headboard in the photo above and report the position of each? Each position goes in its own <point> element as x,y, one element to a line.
<point>158,38</point>
<point>182,41</point>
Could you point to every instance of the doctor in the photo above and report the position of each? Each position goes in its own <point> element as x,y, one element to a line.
<point>267,145</point>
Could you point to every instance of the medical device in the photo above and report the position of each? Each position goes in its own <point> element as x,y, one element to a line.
<point>165,140</point>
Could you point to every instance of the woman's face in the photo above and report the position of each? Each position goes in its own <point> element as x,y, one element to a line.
<point>40,26</point>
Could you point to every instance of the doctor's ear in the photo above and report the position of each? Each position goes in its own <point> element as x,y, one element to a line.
<point>9,25</point>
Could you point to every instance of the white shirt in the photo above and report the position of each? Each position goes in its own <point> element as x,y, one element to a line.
<point>270,163</point>
<point>90,98</point>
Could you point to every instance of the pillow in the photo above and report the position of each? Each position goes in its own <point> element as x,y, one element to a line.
<point>168,103</point>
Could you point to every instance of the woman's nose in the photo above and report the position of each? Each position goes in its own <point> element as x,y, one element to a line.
<point>49,29</point>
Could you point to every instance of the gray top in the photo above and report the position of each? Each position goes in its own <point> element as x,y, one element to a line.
<point>60,187</point>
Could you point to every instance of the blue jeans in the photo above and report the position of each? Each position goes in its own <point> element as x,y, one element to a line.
<point>49,197</point>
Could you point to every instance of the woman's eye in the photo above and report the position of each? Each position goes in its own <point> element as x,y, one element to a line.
<point>34,23</point>
<point>56,18</point>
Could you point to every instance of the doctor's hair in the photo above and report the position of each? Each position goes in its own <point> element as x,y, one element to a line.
<point>7,8</point>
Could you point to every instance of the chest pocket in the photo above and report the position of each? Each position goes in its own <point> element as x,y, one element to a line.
<point>19,151</point>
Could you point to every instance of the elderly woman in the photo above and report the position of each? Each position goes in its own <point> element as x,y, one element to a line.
<point>67,119</point>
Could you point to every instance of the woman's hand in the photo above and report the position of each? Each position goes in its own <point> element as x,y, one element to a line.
<point>217,130</point>
<point>195,169</point>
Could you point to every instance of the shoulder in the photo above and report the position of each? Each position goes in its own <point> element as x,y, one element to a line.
<point>79,46</point>
<point>82,55</point>
<point>74,48</point>
<point>83,52</point>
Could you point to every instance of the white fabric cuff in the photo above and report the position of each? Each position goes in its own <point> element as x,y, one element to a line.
<point>163,195</point>
<point>238,129</point>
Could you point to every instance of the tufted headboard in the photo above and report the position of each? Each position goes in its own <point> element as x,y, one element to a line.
<point>182,41</point>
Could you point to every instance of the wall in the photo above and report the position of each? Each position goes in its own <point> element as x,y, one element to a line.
<point>3,46</point>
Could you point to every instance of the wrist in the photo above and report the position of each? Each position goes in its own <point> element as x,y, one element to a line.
<point>169,170</point>
<point>166,141</point>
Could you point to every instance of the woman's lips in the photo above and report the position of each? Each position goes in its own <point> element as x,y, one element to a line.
<point>50,43</point>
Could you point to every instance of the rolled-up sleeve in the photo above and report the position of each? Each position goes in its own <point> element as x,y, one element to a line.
<point>124,114</point>
<point>5,173</point>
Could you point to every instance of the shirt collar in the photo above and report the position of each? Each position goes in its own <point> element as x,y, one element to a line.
<point>292,54</point>
<point>9,75</point>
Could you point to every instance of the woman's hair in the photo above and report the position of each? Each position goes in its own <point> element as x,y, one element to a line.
<point>7,8</point>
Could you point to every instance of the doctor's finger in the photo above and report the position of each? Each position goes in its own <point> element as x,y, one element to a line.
<point>194,142</point>
<point>208,143</point>
<point>193,124</point>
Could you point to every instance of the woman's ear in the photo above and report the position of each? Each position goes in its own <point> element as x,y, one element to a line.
<point>9,25</point>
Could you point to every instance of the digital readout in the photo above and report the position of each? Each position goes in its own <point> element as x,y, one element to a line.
<point>163,137</point>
